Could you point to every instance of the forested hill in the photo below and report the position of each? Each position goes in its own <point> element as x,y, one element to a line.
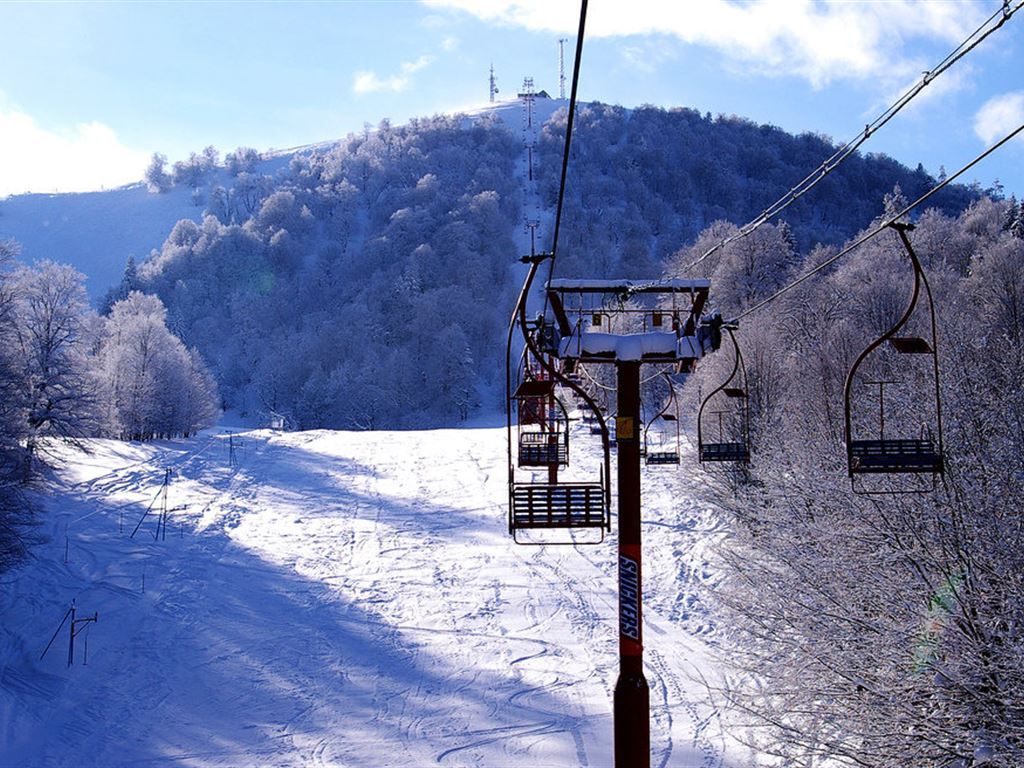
<point>367,283</point>
<point>645,181</point>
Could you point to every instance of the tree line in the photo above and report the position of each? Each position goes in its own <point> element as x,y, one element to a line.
<point>67,373</point>
<point>877,630</point>
<point>368,284</point>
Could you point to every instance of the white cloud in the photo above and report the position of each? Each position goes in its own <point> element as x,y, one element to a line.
<point>366,81</point>
<point>999,116</point>
<point>82,159</point>
<point>645,57</point>
<point>819,42</point>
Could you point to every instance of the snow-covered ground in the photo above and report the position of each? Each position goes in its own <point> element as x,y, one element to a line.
<point>345,599</point>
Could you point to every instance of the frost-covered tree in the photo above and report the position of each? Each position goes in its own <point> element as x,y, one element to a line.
<point>14,512</point>
<point>242,160</point>
<point>129,282</point>
<point>883,630</point>
<point>152,385</point>
<point>156,176</point>
<point>210,158</point>
<point>11,426</point>
<point>218,204</point>
<point>51,346</point>
<point>191,172</point>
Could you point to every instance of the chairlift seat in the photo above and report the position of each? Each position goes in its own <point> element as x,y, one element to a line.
<point>724,452</point>
<point>910,345</point>
<point>734,392</point>
<point>558,505</point>
<point>662,457</point>
<point>542,449</point>
<point>668,416</point>
<point>894,456</point>
<point>534,388</point>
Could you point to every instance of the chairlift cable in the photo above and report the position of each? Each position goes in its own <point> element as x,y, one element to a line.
<point>594,381</point>
<point>568,143</point>
<point>881,227</point>
<point>656,374</point>
<point>1004,13</point>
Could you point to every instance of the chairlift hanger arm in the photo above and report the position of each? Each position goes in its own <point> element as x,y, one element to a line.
<point>737,361</point>
<point>670,402</point>
<point>553,372</point>
<point>520,301</point>
<point>902,231</point>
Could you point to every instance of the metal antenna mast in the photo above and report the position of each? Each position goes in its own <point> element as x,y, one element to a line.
<point>494,84</point>
<point>561,66</point>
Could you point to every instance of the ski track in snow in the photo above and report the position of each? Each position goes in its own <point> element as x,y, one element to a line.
<point>342,599</point>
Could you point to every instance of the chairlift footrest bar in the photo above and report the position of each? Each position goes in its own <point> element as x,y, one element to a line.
<point>724,452</point>
<point>662,457</point>
<point>894,456</point>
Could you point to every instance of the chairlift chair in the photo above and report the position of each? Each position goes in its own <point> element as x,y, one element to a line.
<point>545,444</point>
<point>553,506</point>
<point>904,455</point>
<point>734,388</point>
<point>664,456</point>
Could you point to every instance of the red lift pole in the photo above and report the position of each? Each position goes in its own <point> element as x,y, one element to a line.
<point>632,696</point>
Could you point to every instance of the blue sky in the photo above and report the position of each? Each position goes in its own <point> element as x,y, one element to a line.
<point>88,91</point>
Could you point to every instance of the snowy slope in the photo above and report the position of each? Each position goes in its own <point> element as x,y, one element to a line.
<point>347,599</point>
<point>96,232</point>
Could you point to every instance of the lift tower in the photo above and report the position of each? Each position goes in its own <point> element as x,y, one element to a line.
<point>627,324</point>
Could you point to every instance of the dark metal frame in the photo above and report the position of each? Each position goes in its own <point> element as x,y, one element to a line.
<point>898,456</point>
<point>683,319</point>
<point>569,506</point>
<point>548,446</point>
<point>728,451</point>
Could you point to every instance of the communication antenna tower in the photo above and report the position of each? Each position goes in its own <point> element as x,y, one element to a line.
<point>494,84</point>
<point>561,66</point>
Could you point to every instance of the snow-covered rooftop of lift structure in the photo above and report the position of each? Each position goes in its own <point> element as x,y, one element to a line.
<point>651,345</point>
<point>629,286</point>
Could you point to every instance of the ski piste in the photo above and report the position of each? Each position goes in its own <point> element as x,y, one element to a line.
<point>344,598</point>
